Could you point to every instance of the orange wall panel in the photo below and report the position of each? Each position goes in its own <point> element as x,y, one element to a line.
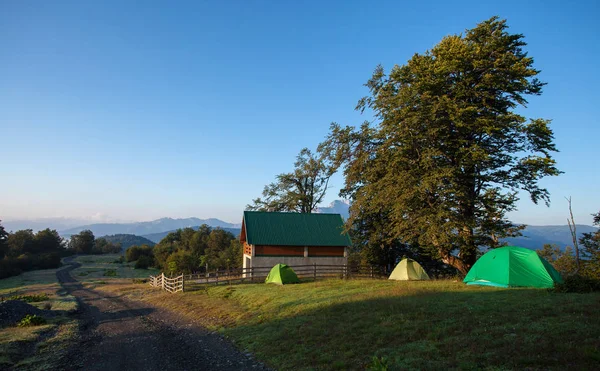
<point>325,251</point>
<point>279,250</point>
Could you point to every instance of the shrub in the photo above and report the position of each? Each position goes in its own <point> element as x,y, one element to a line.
<point>32,320</point>
<point>143,262</point>
<point>378,364</point>
<point>578,283</point>
<point>135,252</point>
<point>110,273</point>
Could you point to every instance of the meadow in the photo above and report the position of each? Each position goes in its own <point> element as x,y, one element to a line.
<point>380,324</point>
<point>341,324</point>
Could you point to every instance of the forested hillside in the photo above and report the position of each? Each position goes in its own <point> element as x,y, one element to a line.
<point>157,237</point>
<point>128,240</point>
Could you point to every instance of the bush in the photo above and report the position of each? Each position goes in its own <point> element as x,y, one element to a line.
<point>578,283</point>
<point>32,320</point>
<point>110,273</point>
<point>135,252</point>
<point>143,262</point>
<point>378,364</point>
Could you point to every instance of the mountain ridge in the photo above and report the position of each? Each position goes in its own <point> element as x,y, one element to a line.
<point>144,228</point>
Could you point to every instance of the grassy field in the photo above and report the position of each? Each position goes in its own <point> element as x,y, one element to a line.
<point>357,324</point>
<point>100,268</point>
<point>37,347</point>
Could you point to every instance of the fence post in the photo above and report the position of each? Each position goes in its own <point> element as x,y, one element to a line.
<point>182,283</point>
<point>252,274</point>
<point>315,265</point>
<point>163,281</point>
<point>371,271</point>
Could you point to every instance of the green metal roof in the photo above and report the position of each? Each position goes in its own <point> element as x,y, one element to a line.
<point>295,229</point>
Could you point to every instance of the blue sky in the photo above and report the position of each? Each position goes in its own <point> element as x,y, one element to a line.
<point>139,110</point>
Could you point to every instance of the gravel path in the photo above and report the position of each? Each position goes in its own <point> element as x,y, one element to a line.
<point>121,334</point>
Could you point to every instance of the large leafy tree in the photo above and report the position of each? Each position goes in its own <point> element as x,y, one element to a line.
<point>448,153</point>
<point>83,242</point>
<point>300,190</point>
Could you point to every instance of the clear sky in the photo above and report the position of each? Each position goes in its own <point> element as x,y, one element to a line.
<point>135,110</point>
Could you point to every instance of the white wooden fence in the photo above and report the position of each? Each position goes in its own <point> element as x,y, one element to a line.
<point>171,285</point>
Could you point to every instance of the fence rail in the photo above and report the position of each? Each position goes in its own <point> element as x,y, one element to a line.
<point>171,285</point>
<point>195,281</point>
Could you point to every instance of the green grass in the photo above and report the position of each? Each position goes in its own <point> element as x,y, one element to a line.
<point>27,280</point>
<point>354,324</point>
<point>96,267</point>
<point>37,347</point>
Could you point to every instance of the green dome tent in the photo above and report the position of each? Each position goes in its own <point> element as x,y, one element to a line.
<point>408,269</point>
<point>513,266</point>
<point>281,274</point>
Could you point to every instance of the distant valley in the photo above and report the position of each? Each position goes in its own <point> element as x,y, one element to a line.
<point>534,237</point>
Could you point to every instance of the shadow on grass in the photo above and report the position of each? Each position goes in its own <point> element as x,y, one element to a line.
<point>479,329</point>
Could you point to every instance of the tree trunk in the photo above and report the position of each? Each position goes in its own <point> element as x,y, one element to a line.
<point>457,263</point>
<point>452,260</point>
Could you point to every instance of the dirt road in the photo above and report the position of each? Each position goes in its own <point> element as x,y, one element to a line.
<point>120,334</point>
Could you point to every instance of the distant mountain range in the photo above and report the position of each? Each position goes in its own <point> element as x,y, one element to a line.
<point>156,237</point>
<point>534,237</point>
<point>59,224</point>
<point>145,228</point>
<point>341,207</point>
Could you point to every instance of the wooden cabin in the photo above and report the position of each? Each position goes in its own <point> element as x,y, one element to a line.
<point>270,238</point>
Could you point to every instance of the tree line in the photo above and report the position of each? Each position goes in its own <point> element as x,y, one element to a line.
<point>190,250</point>
<point>86,243</point>
<point>24,250</point>
<point>589,258</point>
<point>446,156</point>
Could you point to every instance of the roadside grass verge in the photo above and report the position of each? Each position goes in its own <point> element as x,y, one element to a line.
<point>30,282</point>
<point>352,324</point>
<point>37,347</point>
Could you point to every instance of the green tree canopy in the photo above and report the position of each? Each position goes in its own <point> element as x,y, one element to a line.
<point>24,250</point>
<point>188,250</point>
<point>3,241</point>
<point>83,242</point>
<point>299,191</point>
<point>448,153</point>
